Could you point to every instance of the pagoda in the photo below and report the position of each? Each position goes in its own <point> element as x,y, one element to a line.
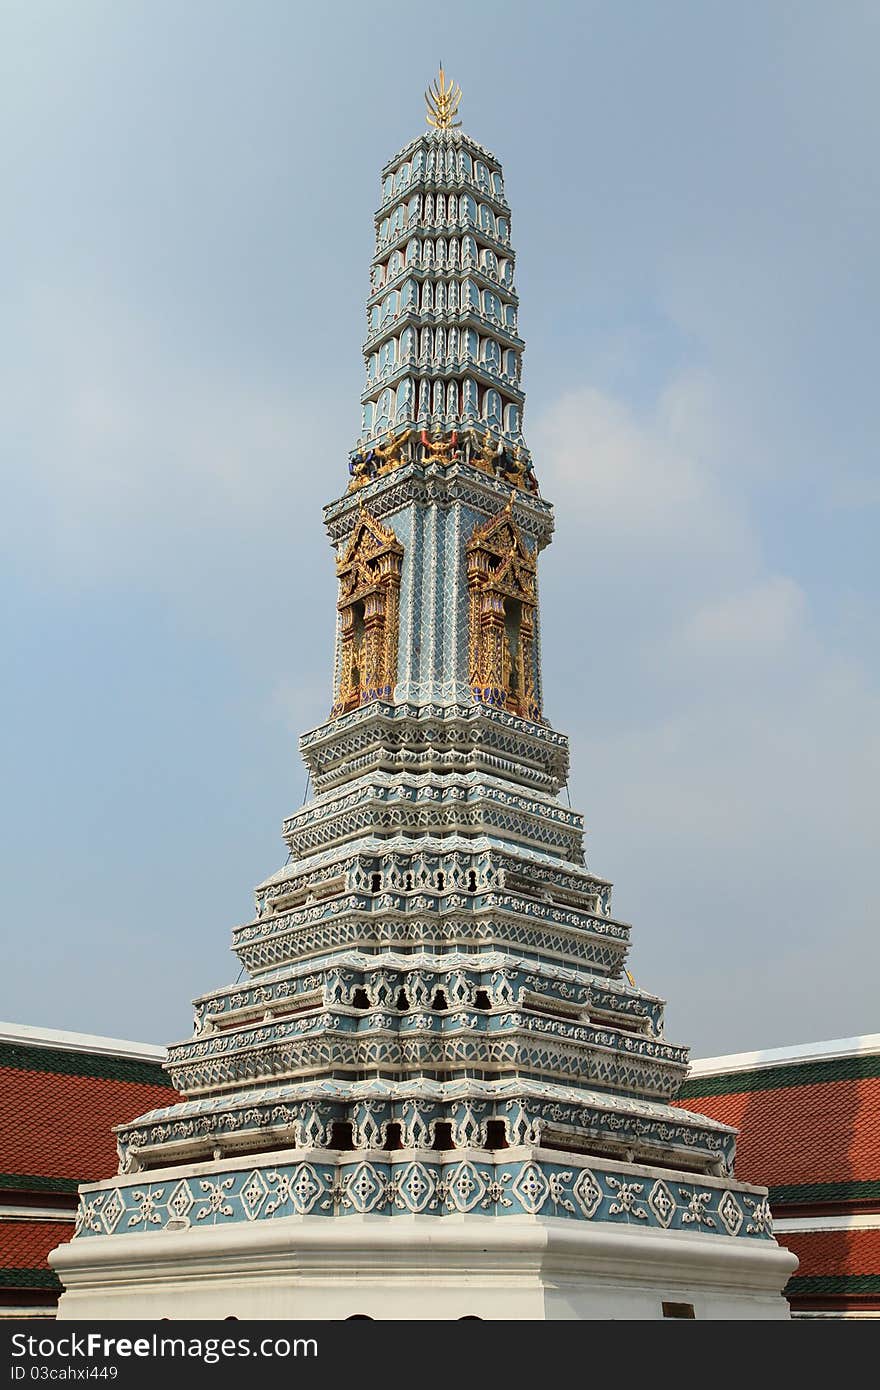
<point>437,1092</point>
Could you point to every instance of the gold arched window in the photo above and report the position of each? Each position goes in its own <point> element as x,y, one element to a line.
<point>369,605</point>
<point>502,574</point>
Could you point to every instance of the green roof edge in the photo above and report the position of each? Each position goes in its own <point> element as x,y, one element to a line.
<point>29,1279</point>
<point>833,1283</point>
<point>778,1078</point>
<point>786,1193</point>
<point>61,1062</point>
<point>37,1182</point>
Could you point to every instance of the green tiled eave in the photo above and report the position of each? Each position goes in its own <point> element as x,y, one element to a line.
<point>20,1057</point>
<point>777,1078</point>
<point>29,1279</point>
<point>789,1193</point>
<point>833,1284</point>
<point>36,1182</point>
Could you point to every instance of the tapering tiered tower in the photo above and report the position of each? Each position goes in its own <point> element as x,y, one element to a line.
<point>436,1094</point>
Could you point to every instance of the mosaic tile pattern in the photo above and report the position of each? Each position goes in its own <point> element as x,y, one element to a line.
<point>421,1184</point>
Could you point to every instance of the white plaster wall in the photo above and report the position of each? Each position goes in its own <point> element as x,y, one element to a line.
<point>419,1268</point>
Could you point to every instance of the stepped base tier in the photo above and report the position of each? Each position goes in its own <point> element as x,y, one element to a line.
<point>437,1093</point>
<point>524,1232</point>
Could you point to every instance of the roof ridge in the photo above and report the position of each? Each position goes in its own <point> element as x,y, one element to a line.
<point>23,1033</point>
<point>786,1056</point>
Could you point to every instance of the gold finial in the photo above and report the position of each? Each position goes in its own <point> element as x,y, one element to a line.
<point>442,103</point>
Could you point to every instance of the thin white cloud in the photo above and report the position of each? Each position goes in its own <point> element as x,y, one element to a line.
<point>640,482</point>
<point>158,471</point>
<point>768,613</point>
<point>728,751</point>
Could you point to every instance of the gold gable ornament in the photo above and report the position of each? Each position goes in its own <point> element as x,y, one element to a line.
<point>369,573</point>
<point>502,586</point>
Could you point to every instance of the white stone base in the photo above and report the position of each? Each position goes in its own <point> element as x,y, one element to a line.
<point>420,1267</point>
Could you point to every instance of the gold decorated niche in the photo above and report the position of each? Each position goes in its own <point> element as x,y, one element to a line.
<point>369,606</point>
<point>502,586</point>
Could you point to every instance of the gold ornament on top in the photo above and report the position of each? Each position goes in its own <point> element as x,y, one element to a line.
<point>442,103</point>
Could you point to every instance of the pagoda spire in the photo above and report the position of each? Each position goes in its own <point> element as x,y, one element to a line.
<point>436,1093</point>
<point>443,356</point>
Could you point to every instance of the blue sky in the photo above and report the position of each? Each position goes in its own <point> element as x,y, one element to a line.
<point>188,193</point>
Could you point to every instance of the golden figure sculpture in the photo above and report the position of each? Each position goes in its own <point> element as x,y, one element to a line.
<point>394,453</point>
<point>437,450</point>
<point>483,454</point>
<point>362,467</point>
<point>516,472</point>
<point>492,456</point>
<point>526,469</point>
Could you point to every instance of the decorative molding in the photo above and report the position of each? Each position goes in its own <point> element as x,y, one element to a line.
<point>322,1182</point>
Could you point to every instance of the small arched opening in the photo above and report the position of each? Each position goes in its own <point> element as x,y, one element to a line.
<point>341,1136</point>
<point>443,1135</point>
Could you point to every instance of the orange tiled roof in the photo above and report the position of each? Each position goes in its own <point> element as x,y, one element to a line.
<point>834,1253</point>
<point>60,1126</point>
<point>824,1132</point>
<point>58,1108</point>
<point>24,1246</point>
<point>837,1268</point>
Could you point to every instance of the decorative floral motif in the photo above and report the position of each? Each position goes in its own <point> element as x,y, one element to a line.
<point>364,1189</point>
<point>627,1198</point>
<point>253,1194</point>
<point>442,1195</point>
<point>145,1203</point>
<point>587,1193</point>
<point>661,1202</point>
<point>466,1187</point>
<point>531,1187</point>
<point>416,1187</point>
<point>391,1194</point>
<point>696,1213</point>
<point>180,1202</point>
<point>761,1223</point>
<point>112,1211</point>
<point>495,1194</point>
<point>731,1213</point>
<point>301,1189</point>
<point>217,1203</point>
<point>87,1217</point>
<point>557,1184</point>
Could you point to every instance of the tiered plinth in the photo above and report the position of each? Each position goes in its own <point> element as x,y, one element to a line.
<point>436,1093</point>
<point>520,1233</point>
<point>436,1076</point>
